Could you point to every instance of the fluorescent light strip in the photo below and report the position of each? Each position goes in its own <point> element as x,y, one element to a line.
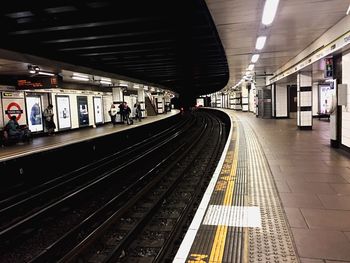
<point>255,58</point>
<point>106,79</point>
<point>105,82</point>
<point>348,11</point>
<point>250,67</point>
<point>260,42</point>
<point>80,78</point>
<point>79,75</point>
<point>269,12</point>
<point>46,73</point>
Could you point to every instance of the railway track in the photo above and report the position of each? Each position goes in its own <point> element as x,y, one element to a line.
<point>131,193</point>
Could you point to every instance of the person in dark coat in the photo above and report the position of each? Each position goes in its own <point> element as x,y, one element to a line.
<point>13,129</point>
<point>49,122</point>
<point>122,112</point>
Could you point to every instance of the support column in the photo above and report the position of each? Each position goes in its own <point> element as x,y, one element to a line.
<point>252,94</point>
<point>141,100</point>
<point>218,99</point>
<point>160,103</point>
<point>166,103</point>
<point>237,100</point>
<point>117,96</point>
<point>260,83</point>
<point>213,100</point>
<point>232,100</point>
<point>245,97</point>
<point>304,101</point>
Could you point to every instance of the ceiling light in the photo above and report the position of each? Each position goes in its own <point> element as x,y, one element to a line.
<point>123,85</point>
<point>348,11</point>
<point>250,67</point>
<point>260,42</point>
<point>269,12</point>
<point>255,58</point>
<point>80,78</point>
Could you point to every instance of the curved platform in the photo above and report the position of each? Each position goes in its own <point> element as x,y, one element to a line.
<point>273,198</point>
<point>40,144</point>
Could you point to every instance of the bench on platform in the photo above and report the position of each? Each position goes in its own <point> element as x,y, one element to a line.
<point>323,116</point>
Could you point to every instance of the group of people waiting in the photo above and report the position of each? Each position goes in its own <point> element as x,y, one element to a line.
<point>125,111</point>
<point>14,132</point>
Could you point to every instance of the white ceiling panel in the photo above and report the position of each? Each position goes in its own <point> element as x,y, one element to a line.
<point>297,24</point>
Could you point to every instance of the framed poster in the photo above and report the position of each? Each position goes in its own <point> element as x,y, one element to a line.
<point>83,113</point>
<point>325,98</point>
<point>63,111</point>
<point>34,113</point>
<point>98,110</point>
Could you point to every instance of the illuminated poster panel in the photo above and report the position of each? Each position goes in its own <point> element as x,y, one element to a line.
<point>34,113</point>
<point>83,112</point>
<point>325,98</point>
<point>98,110</point>
<point>63,110</point>
<point>200,102</point>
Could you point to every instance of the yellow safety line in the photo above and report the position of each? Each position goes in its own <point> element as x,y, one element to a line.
<point>217,250</point>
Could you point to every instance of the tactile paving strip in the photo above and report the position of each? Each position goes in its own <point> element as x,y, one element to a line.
<point>273,241</point>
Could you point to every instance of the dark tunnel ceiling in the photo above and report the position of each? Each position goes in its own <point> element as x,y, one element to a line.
<point>170,43</point>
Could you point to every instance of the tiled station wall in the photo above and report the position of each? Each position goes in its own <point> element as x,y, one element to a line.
<point>346,109</point>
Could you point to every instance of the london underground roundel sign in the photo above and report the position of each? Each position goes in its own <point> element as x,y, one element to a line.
<point>14,109</point>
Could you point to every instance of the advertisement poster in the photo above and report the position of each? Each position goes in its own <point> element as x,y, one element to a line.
<point>34,113</point>
<point>83,112</point>
<point>325,98</point>
<point>63,111</point>
<point>107,102</point>
<point>13,104</point>
<point>98,110</point>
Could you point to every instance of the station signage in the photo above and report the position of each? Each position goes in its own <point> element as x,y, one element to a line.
<point>328,71</point>
<point>323,52</point>
<point>37,83</point>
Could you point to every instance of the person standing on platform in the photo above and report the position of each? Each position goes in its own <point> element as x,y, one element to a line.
<point>127,112</point>
<point>49,122</point>
<point>113,114</point>
<point>138,114</point>
<point>121,112</point>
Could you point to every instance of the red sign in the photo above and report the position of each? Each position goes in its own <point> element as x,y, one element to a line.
<point>14,109</point>
<point>37,83</point>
